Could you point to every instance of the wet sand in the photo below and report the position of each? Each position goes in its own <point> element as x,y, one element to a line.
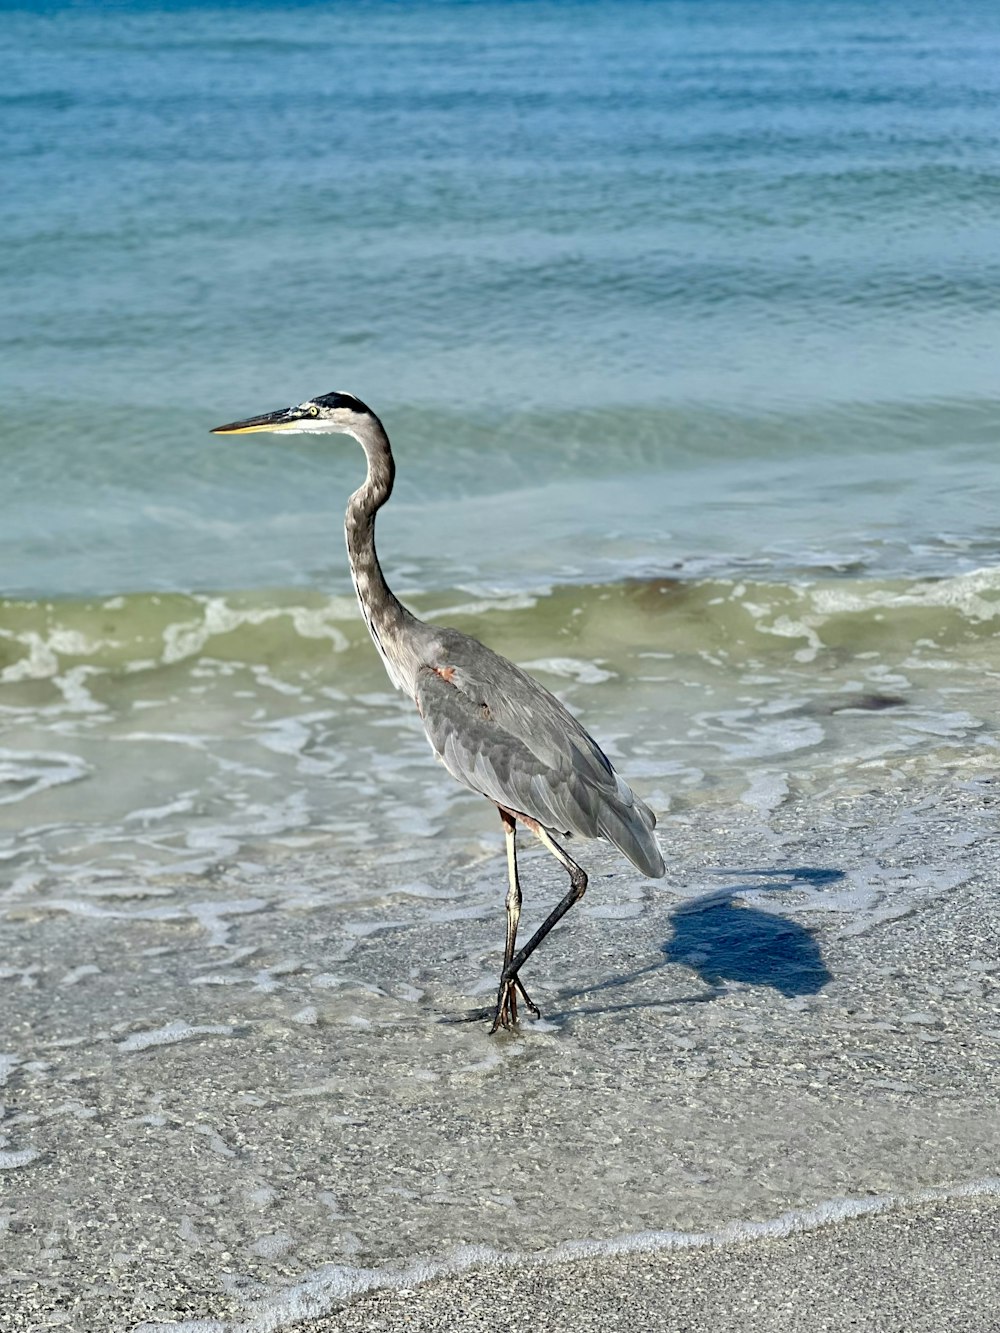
<point>932,1267</point>
<point>910,1269</point>
<point>248,1109</point>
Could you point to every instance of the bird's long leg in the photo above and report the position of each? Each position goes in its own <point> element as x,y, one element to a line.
<point>506,1011</point>
<point>577,888</point>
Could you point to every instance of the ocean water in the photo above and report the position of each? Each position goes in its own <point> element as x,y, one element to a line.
<point>683,321</point>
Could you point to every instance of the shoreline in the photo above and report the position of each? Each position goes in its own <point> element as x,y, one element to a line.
<point>917,1266</point>
<point>218,1137</point>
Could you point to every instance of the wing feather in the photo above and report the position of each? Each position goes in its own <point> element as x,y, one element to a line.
<point>500,732</point>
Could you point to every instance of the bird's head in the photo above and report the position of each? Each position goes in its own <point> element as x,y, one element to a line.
<point>332,413</point>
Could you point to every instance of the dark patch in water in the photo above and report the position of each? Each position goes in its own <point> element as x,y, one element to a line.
<point>655,594</point>
<point>868,703</point>
<point>852,703</point>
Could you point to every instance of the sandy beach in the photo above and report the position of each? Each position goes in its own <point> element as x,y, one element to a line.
<point>915,1269</point>
<point>254,1143</point>
<point>919,1268</point>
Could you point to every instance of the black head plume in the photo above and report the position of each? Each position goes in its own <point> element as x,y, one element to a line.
<point>342,400</point>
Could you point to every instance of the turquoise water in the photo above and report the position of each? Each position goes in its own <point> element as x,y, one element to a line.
<point>739,262</point>
<point>645,294</point>
<point>682,319</point>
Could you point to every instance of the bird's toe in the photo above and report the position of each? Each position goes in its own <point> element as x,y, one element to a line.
<point>506,1010</point>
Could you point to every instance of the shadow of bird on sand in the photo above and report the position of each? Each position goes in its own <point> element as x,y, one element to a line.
<point>723,940</point>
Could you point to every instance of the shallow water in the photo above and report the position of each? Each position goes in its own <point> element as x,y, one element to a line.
<point>241,958</point>
<point>682,321</point>
<point>263,1081</point>
<point>145,736</point>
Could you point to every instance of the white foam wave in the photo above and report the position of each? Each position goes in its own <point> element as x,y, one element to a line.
<point>43,657</point>
<point>77,907</point>
<point>486,602</point>
<point>171,1033</point>
<point>974,596</point>
<point>188,638</point>
<point>572,668</point>
<point>26,773</point>
<point>331,1287</point>
<point>11,1160</point>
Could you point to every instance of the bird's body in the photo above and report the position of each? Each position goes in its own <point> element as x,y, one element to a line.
<point>494,727</point>
<point>502,734</point>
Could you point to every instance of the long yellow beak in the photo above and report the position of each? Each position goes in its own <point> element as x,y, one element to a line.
<point>284,419</point>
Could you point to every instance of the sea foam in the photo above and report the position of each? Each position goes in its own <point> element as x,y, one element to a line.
<point>331,1287</point>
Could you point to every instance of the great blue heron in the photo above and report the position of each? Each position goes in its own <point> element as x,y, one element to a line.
<point>492,725</point>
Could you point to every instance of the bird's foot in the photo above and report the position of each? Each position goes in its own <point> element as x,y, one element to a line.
<point>506,1010</point>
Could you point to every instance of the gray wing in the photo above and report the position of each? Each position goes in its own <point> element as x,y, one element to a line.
<point>501,733</point>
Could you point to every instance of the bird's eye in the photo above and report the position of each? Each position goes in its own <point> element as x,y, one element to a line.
<point>314,411</point>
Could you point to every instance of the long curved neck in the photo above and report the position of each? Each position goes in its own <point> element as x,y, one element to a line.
<point>391,625</point>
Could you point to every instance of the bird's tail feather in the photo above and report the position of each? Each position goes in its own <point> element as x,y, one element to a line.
<point>633,835</point>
